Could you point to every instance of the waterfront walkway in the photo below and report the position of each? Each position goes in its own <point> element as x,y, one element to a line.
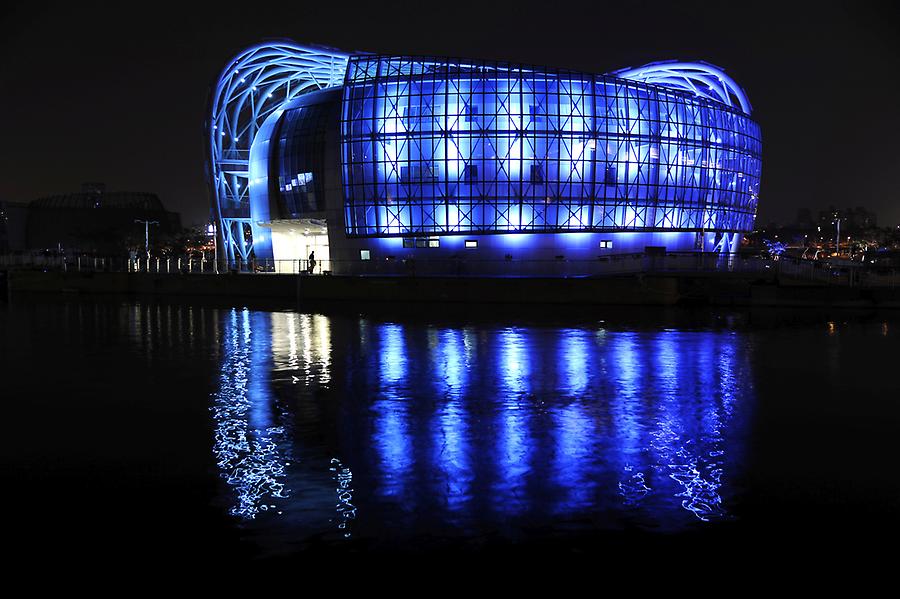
<point>662,280</point>
<point>789,271</point>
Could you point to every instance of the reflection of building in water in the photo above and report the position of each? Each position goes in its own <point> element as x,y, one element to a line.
<point>513,448</point>
<point>256,436</point>
<point>392,435</point>
<point>531,421</point>
<point>451,451</point>
<point>472,428</point>
<point>687,436</point>
<point>301,347</point>
<point>251,441</point>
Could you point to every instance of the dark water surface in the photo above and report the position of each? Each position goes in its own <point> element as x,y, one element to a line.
<point>145,427</point>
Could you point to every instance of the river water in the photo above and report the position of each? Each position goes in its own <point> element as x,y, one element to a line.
<point>146,426</point>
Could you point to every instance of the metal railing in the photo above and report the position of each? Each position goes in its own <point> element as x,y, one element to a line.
<point>787,270</point>
<point>163,265</point>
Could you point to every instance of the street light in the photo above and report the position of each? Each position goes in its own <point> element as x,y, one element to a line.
<point>147,224</point>
<point>837,238</point>
<point>211,232</point>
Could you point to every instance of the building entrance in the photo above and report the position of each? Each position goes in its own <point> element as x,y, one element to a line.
<point>295,241</point>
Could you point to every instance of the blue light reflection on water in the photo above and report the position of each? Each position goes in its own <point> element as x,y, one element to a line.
<point>512,454</point>
<point>451,357</point>
<point>419,428</point>
<point>392,438</point>
<point>250,446</point>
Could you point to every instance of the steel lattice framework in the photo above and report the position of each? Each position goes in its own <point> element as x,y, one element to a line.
<point>441,146</point>
<point>255,83</point>
<point>698,78</point>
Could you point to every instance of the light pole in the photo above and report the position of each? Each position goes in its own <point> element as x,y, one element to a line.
<point>211,231</point>
<point>147,224</point>
<point>837,239</point>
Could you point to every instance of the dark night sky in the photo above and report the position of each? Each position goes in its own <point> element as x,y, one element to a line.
<point>118,94</point>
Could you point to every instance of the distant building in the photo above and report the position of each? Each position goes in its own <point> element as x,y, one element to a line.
<point>13,216</point>
<point>852,219</point>
<point>93,220</point>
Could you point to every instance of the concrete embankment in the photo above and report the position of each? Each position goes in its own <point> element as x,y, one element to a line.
<point>659,289</point>
<point>610,290</point>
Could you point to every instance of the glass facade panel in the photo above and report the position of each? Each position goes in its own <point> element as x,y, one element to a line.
<point>299,159</point>
<point>435,146</point>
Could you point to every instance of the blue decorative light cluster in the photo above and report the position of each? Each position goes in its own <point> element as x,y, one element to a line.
<point>438,146</point>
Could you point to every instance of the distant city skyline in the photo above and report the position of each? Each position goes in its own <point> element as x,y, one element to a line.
<point>101,95</point>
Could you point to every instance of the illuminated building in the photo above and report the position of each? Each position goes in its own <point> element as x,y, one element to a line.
<point>371,158</point>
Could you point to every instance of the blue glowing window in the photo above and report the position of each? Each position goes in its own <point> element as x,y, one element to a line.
<point>421,242</point>
<point>609,174</point>
<point>364,255</point>
<point>606,244</point>
<point>299,158</point>
<point>426,242</point>
<point>417,173</point>
<point>411,116</point>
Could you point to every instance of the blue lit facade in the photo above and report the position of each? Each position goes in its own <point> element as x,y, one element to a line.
<point>292,161</point>
<point>431,159</point>
<point>439,147</point>
<point>257,82</point>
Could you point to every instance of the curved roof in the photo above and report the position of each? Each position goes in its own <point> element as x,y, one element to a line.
<point>116,200</point>
<point>699,78</point>
<point>255,82</point>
